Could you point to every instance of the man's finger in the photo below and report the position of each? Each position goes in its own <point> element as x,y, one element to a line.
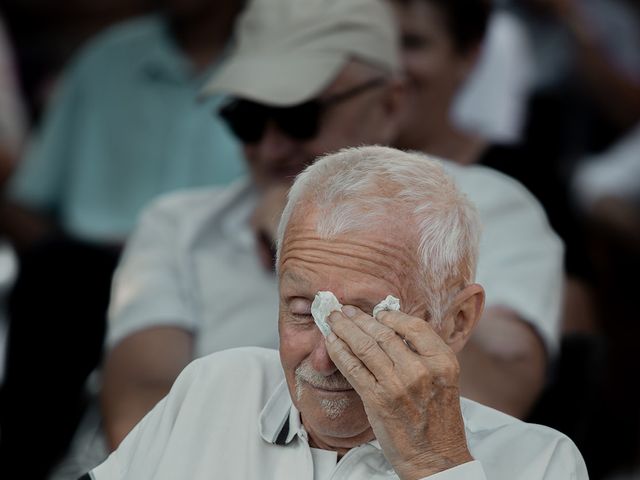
<point>388,340</point>
<point>416,331</point>
<point>349,364</point>
<point>363,346</point>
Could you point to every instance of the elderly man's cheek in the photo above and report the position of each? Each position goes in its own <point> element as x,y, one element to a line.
<point>297,340</point>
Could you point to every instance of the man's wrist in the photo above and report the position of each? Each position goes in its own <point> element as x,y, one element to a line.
<point>433,463</point>
<point>471,470</point>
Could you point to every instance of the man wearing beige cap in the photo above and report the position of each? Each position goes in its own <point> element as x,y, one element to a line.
<point>378,248</point>
<point>307,77</point>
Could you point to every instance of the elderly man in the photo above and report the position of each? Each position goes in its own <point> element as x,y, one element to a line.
<point>309,78</point>
<point>376,398</point>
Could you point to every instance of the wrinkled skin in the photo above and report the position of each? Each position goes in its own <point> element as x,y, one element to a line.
<point>405,394</point>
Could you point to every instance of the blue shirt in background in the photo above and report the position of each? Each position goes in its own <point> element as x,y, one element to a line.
<point>124,127</point>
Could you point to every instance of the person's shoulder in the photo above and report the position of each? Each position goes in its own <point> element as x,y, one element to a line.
<point>482,422</point>
<point>479,179</point>
<point>213,406</point>
<point>507,445</point>
<point>490,189</point>
<point>192,203</point>
<point>244,358</point>
<point>250,372</point>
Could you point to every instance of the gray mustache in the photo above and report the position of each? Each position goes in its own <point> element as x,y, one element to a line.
<point>335,381</point>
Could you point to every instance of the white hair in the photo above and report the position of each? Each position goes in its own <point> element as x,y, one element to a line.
<point>358,189</point>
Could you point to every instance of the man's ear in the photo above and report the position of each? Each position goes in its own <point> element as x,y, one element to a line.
<point>464,313</point>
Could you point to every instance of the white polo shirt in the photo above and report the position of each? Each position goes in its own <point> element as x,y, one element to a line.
<point>192,264</point>
<point>229,416</point>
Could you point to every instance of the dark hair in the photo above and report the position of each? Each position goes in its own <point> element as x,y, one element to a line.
<point>466,20</point>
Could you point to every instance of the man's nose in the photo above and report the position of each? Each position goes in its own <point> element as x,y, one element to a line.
<point>275,149</point>
<point>320,359</point>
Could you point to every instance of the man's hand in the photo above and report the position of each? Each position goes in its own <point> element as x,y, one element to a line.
<point>407,378</point>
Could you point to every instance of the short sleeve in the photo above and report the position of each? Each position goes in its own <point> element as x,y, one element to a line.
<point>520,261</point>
<point>148,287</point>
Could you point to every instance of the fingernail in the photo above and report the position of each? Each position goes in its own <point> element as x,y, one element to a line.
<point>331,337</point>
<point>349,311</point>
<point>331,318</point>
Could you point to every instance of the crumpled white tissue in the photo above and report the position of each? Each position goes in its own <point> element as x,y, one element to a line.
<point>323,304</point>
<point>390,304</point>
<point>326,302</point>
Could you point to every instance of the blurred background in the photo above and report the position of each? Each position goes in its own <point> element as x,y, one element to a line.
<point>566,86</point>
<point>45,35</point>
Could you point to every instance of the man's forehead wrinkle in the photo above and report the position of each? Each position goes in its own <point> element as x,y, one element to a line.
<point>380,246</point>
<point>301,268</point>
<point>398,279</point>
<point>294,277</point>
<point>322,261</point>
<point>371,253</point>
<point>396,287</point>
<point>399,286</point>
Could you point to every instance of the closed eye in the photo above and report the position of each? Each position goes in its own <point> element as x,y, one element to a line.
<point>299,308</point>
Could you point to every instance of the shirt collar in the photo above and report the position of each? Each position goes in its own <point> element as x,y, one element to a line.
<point>279,419</point>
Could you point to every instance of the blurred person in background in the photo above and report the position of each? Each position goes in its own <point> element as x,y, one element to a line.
<point>606,189</point>
<point>442,41</point>
<point>583,129</point>
<point>110,116</point>
<point>612,71</point>
<point>122,128</point>
<point>198,270</point>
<point>13,129</point>
<point>13,116</point>
<point>569,67</point>
<point>589,51</point>
<point>492,102</point>
<point>593,43</point>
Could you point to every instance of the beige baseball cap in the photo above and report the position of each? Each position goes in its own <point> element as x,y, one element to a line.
<point>288,51</point>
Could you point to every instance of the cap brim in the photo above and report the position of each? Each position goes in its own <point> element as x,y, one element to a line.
<point>278,80</point>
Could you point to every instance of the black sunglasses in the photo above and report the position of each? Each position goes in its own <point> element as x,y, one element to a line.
<point>247,119</point>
